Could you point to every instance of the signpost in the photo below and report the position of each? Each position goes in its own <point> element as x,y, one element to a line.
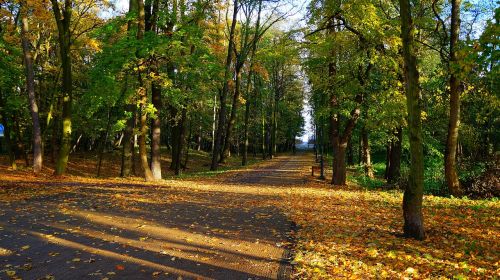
<point>1,130</point>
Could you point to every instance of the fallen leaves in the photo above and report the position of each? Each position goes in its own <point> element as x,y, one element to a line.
<point>353,233</point>
<point>25,247</point>
<point>343,232</point>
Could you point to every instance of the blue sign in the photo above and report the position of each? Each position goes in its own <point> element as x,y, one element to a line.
<point>1,130</point>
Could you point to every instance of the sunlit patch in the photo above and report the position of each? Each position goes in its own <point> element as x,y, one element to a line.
<point>211,251</point>
<point>105,253</point>
<point>185,240</point>
<point>5,252</point>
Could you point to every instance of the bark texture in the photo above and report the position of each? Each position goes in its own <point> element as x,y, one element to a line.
<point>367,159</point>
<point>143,100</point>
<point>30,88</point>
<point>223,93</point>
<point>450,168</point>
<point>63,20</point>
<point>413,195</point>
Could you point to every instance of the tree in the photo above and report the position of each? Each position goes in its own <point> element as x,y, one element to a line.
<point>63,20</point>
<point>413,195</point>
<point>225,89</point>
<point>30,88</point>
<point>455,91</point>
<point>142,98</point>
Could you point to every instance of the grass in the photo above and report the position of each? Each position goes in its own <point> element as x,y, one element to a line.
<point>84,165</point>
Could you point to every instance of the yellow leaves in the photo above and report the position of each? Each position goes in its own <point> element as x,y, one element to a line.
<point>336,226</point>
<point>391,254</point>
<point>5,252</point>
<point>25,247</point>
<point>372,252</point>
<point>94,45</point>
<point>411,271</point>
<point>423,115</point>
<point>242,100</point>
<point>140,68</point>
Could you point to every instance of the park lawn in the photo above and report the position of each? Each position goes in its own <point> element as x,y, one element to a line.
<point>84,165</point>
<point>23,184</point>
<point>352,232</point>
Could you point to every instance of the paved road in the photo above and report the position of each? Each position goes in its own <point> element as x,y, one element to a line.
<point>229,228</point>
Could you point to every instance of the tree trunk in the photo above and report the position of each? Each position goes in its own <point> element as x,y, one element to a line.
<point>199,138</point>
<point>176,131</point>
<point>454,120</point>
<point>339,164</point>
<point>360,149</point>
<point>156,133</point>
<point>263,147</point>
<point>181,142</point>
<point>394,171</point>
<point>232,117</point>
<point>187,144</point>
<point>244,160</point>
<point>214,124</point>
<point>63,20</point>
<point>128,164</point>
<point>350,153</point>
<point>103,144</point>
<point>30,87</point>
<point>128,142</point>
<point>143,100</point>
<point>413,195</point>
<point>143,153</point>
<point>225,90</point>
<point>151,18</point>
<point>53,141</point>
<point>387,158</point>
<point>339,141</point>
<point>367,162</point>
<point>274,127</point>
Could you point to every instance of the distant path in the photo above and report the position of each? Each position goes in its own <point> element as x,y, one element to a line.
<point>233,229</point>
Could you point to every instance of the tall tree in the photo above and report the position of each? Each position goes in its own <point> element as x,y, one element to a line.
<point>30,88</point>
<point>241,56</point>
<point>142,96</point>
<point>454,119</point>
<point>151,9</point>
<point>225,90</point>
<point>63,19</point>
<point>413,195</point>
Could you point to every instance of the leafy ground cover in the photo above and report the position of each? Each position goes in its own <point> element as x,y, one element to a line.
<point>351,232</point>
<point>84,165</point>
<point>342,232</point>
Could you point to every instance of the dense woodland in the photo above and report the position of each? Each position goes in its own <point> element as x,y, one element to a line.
<point>406,90</point>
